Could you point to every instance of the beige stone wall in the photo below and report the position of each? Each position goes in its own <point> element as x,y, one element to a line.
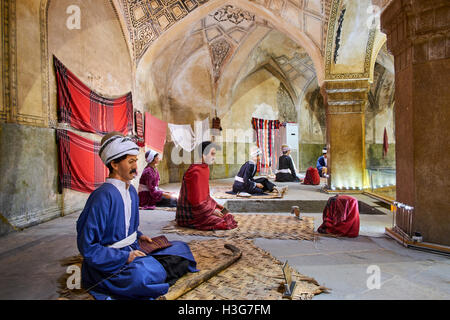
<point>260,87</point>
<point>97,53</point>
<point>28,108</point>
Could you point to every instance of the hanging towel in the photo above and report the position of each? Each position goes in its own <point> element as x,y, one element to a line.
<point>86,110</point>
<point>182,136</point>
<point>155,133</point>
<point>80,167</point>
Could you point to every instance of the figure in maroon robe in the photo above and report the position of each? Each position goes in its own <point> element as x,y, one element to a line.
<point>196,209</point>
<point>341,217</point>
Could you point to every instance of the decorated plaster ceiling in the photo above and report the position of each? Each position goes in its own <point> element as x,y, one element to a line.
<point>146,20</point>
<point>224,30</point>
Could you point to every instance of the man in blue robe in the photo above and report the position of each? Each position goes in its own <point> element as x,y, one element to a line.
<point>114,265</point>
<point>321,164</point>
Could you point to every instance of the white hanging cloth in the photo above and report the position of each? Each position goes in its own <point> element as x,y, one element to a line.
<point>182,136</point>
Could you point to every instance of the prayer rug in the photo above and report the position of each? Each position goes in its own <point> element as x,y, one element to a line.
<point>252,226</point>
<point>80,167</point>
<point>88,111</point>
<point>256,275</point>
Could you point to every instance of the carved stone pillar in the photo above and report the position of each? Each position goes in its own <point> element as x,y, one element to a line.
<point>418,35</point>
<point>346,102</point>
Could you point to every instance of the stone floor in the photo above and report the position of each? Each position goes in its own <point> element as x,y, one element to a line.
<point>29,260</point>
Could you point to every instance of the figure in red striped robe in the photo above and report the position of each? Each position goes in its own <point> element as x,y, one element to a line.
<point>196,209</point>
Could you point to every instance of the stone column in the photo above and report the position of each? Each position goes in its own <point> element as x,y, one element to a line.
<point>418,35</point>
<point>346,102</point>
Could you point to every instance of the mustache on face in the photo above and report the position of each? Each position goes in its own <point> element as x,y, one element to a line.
<point>133,171</point>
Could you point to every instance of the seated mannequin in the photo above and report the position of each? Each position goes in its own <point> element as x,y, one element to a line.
<point>150,195</point>
<point>108,236</point>
<point>245,182</point>
<point>286,169</point>
<point>322,163</point>
<point>196,209</point>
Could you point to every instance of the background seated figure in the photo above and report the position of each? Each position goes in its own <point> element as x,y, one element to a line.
<point>322,163</point>
<point>196,209</point>
<point>150,195</point>
<point>286,168</point>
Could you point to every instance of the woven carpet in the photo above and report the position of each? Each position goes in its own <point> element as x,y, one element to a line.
<point>256,226</point>
<point>257,275</point>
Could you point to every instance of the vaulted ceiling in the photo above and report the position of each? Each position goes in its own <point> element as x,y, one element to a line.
<point>216,44</point>
<point>146,20</point>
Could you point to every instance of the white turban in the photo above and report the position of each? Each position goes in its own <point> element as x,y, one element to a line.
<point>255,152</point>
<point>150,156</point>
<point>324,150</point>
<point>116,147</point>
<point>285,148</point>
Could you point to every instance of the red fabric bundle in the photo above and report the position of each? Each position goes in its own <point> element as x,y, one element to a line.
<point>341,217</point>
<point>385,143</point>
<point>312,176</point>
<point>85,110</point>
<point>80,167</point>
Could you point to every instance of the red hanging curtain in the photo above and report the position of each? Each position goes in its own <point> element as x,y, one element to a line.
<point>86,110</point>
<point>385,143</point>
<point>80,166</point>
<point>155,133</point>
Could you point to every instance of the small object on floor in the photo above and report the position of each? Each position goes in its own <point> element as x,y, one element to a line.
<point>289,284</point>
<point>244,194</point>
<point>417,237</point>
<point>296,210</point>
<point>280,190</point>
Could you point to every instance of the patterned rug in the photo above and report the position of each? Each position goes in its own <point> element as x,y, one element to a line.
<point>256,275</point>
<point>257,226</point>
